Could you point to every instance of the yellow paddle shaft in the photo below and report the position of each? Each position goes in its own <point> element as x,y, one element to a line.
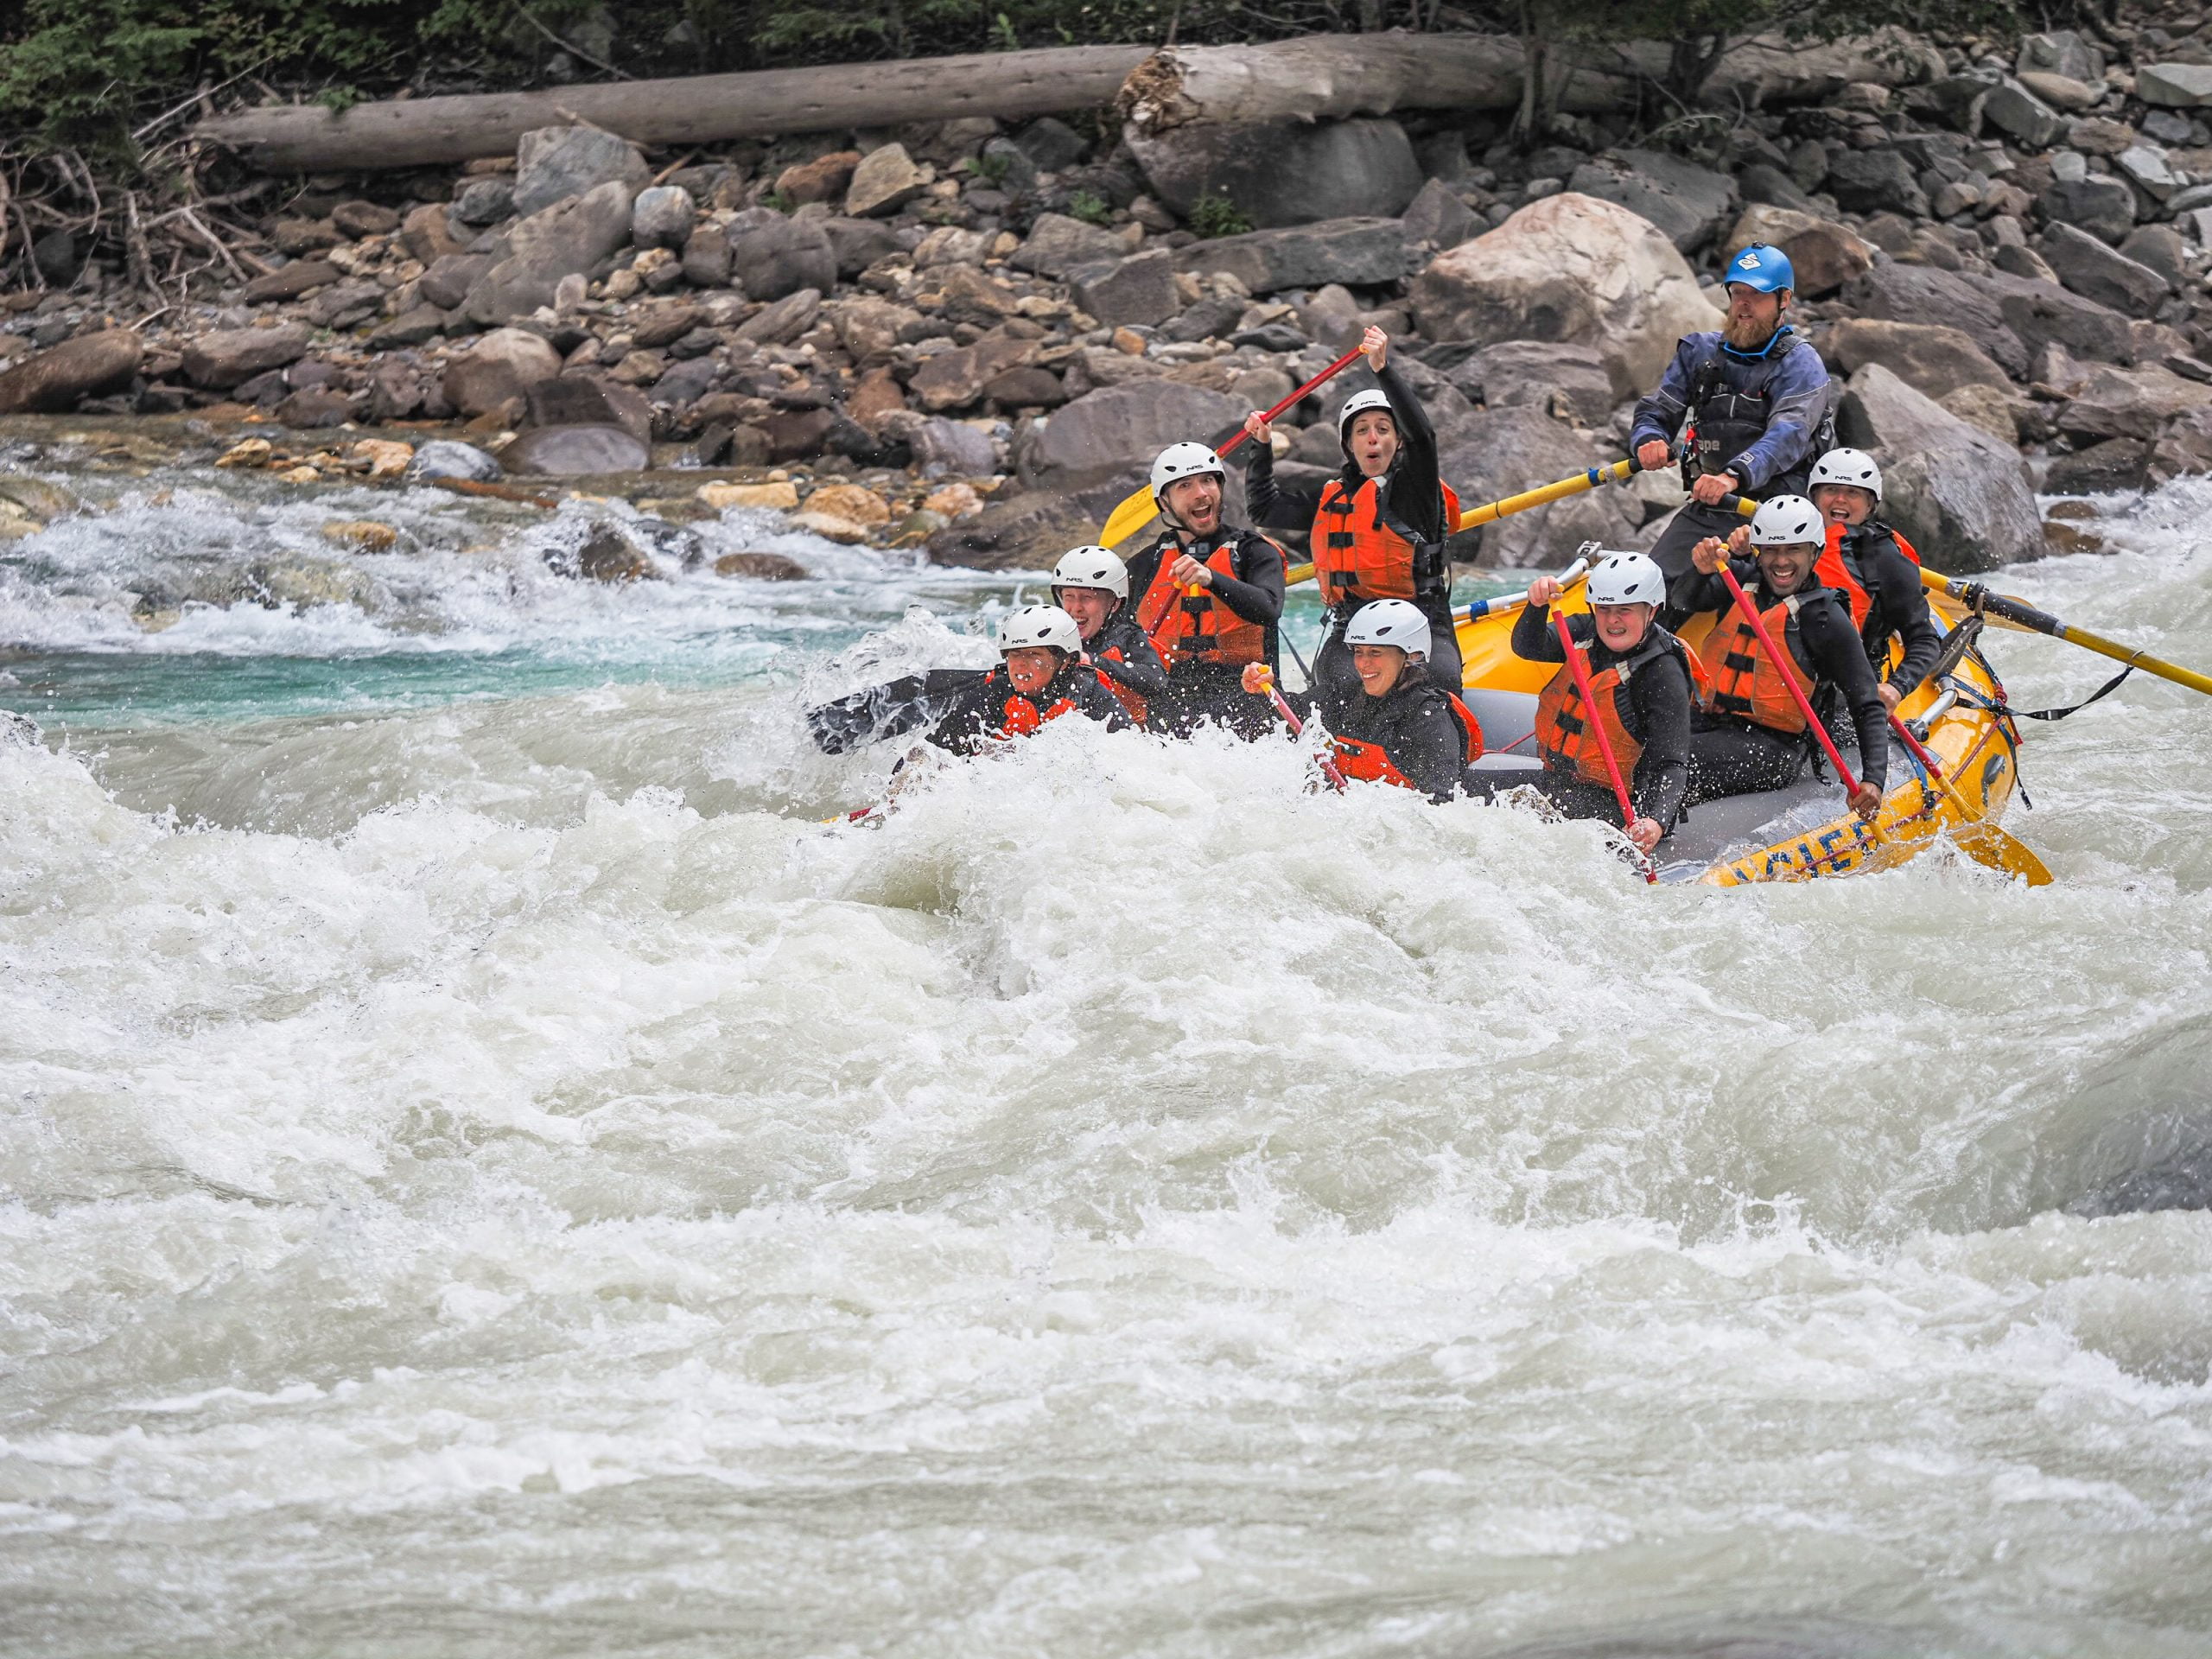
<point>2022,614</point>
<point>1490,513</point>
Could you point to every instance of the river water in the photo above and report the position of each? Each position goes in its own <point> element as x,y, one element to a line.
<point>484,1171</point>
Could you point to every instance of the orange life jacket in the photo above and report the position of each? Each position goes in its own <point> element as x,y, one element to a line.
<point>1372,762</point>
<point>1127,699</point>
<point>1019,716</point>
<point>1834,570</point>
<point>1359,554</point>
<point>1196,626</point>
<point>1742,681</point>
<point>1563,737</point>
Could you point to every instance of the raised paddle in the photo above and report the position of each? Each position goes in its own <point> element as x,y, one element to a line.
<point>1138,508</point>
<point>1781,672</point>
<point>1983,841</point>
<point>1329,767</point>
<point>1579,666</point>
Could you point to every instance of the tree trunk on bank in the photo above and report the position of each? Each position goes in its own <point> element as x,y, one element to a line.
<point>697,109</point>
<point>1318,77</point>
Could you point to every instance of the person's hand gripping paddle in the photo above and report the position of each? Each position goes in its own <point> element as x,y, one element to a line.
<point>1579,666</point>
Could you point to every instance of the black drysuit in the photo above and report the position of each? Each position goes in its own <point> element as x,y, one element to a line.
<point>1199,691</point>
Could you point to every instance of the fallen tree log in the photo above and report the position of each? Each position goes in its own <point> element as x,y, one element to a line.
<point>697,109</point>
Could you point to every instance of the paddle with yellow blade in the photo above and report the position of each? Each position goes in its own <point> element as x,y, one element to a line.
<point>1138,508</point>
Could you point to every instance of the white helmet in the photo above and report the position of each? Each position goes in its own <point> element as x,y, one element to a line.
<point>1786,521</point>
<point>1389,622</point>
<point>1628,579</point>
<point>1091,567</point>
<point>1357,405</point>
<point>1852,467</point>
<point>1039,625</point>
<point>1183,460</point>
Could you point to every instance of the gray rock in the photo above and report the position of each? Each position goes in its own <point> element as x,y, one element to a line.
<point>955,379</point>
<point>686,382</point>
<point>2161,248</point>
<point>1057,244</point>
<point>565,239</point>
<point>1692,204</point>
<point>2190,198</point>
<point>1051,145</point>
<point>2095,271</point>
<point>661,216</point>
<point>1772,187</point>
<point>2062,91</point>
<point>1357,252</point>
<point>1114,433</point>
<point>859,243</point>
<point>554,163</point>
<point>770,255</point>
<point>2175,85</point>
<point>289,281</point>
<point>484,201</point>
<point>2070,166</point>
<point>1876,180</point>
<point>2042,314</point>
<point>784,320</point>
<point>1207,319</point>
<point>417,326</point>
<point>2115,464</point>
<point>1439,217</point>
<point>1141,289</point>
<point>886,180</point>
<point>2016,259</point>
<point>2101,206</point>
<point>2012,108</point>
<point>445,458</point>
<point>2140,402</point>
<point>55,380</point>
<point>1960,494</point>
<point>449,278</point>
<point>587,399</point>
<point>503,364</point>
<point>2146,165</point>
<point>1928,356</point>
<point>1025,532</point>
<point>1017,170</point>
<point>706,257</point>
<point>2060,52</point>
<point>2164,127</point>
<point>1281,173</point>
<point>1913,294</point>
<point>1546,374</point>
<point>227,358</point>
<point>942,447</point>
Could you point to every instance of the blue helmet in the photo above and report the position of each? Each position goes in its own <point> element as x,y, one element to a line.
<point>1762,266</point>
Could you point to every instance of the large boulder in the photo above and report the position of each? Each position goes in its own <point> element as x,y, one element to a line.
<point>1929,358</point>
<point>2012,108</point>
<point>575,451</point>
<point>1961,495</point>
<point>554,163</point>
<point>56,379</point>
<point>2060,52</point>
<point>503,364</point>
<point>1900,293</point>
<point>1116,432</point>
<point>1824,254</point>
<point>2039,314</point>
<point>1022,532</point>
<point>1498,452</point>
<point>2101,205</point>
<point>661,216</point>
<point>770,255</point>
<point>1439,217</point>
<point>566,239</point>
<point>1876,180</point>
<point>1690,204</point>
<point>2097,272</point>
<point>1141,289</point>
<point>1057,244</point>
<point>1357,252</point>
<point>1569,268</point>
<point>1554,376</point>
<point>955,378</point>
<point>2142,402</point>
<point>2175,85</point>
<point>231,355</point>
<point>1282,173</point>
<point>886,180</point>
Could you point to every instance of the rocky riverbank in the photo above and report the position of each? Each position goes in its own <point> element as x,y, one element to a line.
<point>972,340</point>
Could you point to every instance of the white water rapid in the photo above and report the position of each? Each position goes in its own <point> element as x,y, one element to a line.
<point>484,1172</point>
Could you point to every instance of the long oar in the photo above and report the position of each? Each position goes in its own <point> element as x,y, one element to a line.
<point>1975,597</point>
<point>1980,840</point>
<point>1579,666</point>
<point>1137,507</point>
<point>1781,672</point>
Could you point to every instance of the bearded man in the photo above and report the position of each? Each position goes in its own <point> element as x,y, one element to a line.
<point>1750,403</point>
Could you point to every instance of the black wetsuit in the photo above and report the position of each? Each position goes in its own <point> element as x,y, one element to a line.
<point>1121,653</point>
<point>1413,724</point>
<point>1410,493</point>
<point>979,714</point>
<point>1656,712</point>
<point>1729,756</point>
<point>1197,692</point>
<point>1897,604</point>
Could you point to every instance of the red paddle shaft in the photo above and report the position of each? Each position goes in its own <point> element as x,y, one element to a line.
<point>1774,655</point>
<point>1320,380</point>
<point>1579,666</point>
<point>1329,767</point>
<point>1919,749</point>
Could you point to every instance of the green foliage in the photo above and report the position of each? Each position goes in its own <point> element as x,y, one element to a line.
<point>993,169</point>
<point>1213,216</point>
<point>1090,207</point>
